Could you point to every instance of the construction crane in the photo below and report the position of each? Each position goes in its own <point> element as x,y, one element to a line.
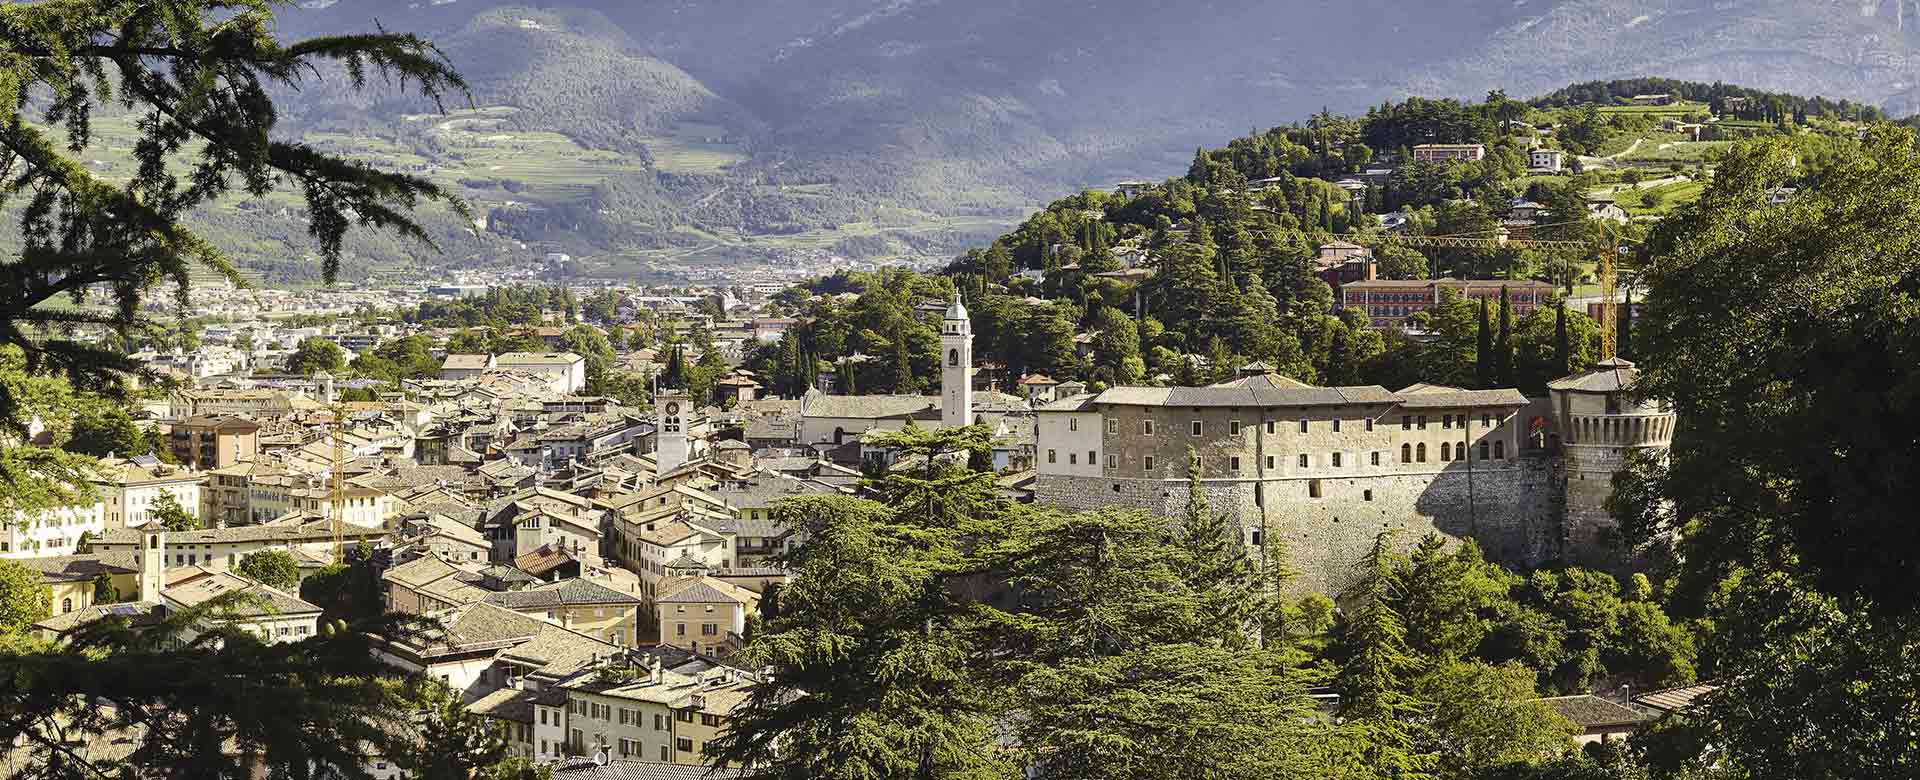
<point>1500,238</point>
<point>337,499</point>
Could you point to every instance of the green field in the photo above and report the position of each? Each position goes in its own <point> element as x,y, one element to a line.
<point>1676,151</point>
<point>1660,201</point>
<point>694,148</point>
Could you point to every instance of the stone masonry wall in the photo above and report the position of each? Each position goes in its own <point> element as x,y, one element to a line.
<point>1508,507</point>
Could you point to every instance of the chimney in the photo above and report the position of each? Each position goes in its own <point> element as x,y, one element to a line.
<point>654,673</point>
<point>153,565</point>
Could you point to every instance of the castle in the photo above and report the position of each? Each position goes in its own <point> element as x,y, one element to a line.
<point>1323,470</point>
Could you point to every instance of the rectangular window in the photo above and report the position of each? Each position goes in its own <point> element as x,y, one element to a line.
<point>1374,458</point>
<point>1269,461</point>
<point>1303,426</point>
<point>1073,458</point>
<point>1146,427</point>
<point>1146,464</point>
<point>1233,428</point>
<point>1406,422</point>
<point>1336,425</point>
<point>1336,460</point>
<point>679,629</point>
<point>1093,458</point>
<point>1313,488</point>
<point>1073,423</point>
<point>1113,427</point>
<point>1486,420</point>
<point>1485,450</point>
<point>1052,457</point>
<point>1303,460</point>
<point>1366,495</point>
<point>663,754</point>
<point>1422,422</point>
<point>1196,427</point>
<point>659,724</point>
<point>1234,463</point>
<point>1369,421</point>
<point>709,629</point>
<point>1270,428</point>
<point>684,745</point>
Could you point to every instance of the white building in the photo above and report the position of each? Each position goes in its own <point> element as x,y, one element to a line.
<point>51,532</point>
<point>567,371</point>
<point>130,491</point>
<point>1546,160</point>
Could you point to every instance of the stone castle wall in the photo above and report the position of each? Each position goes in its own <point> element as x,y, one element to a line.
<point>1509,507</point>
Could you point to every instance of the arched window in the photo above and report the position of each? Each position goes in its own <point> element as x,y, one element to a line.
<point>1483,450</point>
<point>953,357</point>
<point>1406,453</point>
<point>1420,453</point>
<point>66,605</point>
<point>1446,451</point>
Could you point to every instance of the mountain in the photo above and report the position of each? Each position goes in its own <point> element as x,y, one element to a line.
<point>633,131</point>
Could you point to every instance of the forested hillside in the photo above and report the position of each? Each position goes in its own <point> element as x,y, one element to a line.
<point>733,129</point>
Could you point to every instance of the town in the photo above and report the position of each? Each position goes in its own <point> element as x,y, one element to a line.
<point>1455,440</point>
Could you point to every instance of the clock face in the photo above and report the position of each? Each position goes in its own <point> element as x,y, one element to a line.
<point>673,408</point>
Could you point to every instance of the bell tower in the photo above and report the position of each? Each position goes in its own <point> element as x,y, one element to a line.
<point>956,367</point>
<point>671,410</point>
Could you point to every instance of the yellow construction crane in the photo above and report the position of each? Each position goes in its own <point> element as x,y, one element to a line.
<point>337,500</point>
<point>1501,238</point>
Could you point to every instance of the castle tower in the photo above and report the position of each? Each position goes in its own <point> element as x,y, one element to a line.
<point>153,565</point>
<point>956,367</point>
<point>1599,426</point>
<point>671,408</point>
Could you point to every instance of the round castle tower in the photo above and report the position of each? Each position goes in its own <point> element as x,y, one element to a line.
<point>1599,426</point>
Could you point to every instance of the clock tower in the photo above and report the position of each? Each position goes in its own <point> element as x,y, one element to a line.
<point>672,409</point>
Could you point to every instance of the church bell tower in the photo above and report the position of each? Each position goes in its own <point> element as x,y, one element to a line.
<point>956,367</point>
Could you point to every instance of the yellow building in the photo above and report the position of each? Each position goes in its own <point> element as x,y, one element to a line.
<point>701,716</point>
<point>71,578</point>
<point>704,614</point>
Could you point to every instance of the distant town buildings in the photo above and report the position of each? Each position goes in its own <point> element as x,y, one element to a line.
<point>1435,153</point>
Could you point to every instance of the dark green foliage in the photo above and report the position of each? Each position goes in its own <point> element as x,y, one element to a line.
<point>271,567</point>
<point>1483,353</point>
<point>315,355</point>
<point>1560,347</point>
<point>168,513</point>
<point>351,591</point>
<point>23,600</point>
<point>200,72</point>
<point>104,429</point>
<point>1503,344</point>
<point>865,612</point>
<point>306,709</point>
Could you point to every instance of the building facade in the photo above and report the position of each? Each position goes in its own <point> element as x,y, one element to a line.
<point>1433,153</point>
<point>1388,303</point>
<point>1322,470</point>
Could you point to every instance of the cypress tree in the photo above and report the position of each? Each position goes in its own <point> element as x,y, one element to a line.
<point>1483,356</point>
<point>675,376</point>
<point>1561,355</point>
<point>902,366</point>
<point>1624,341</point>
<point>1503,348</point>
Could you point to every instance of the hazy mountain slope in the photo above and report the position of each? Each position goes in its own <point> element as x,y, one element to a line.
<point>1858,49</point>
<point>884,126</point>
